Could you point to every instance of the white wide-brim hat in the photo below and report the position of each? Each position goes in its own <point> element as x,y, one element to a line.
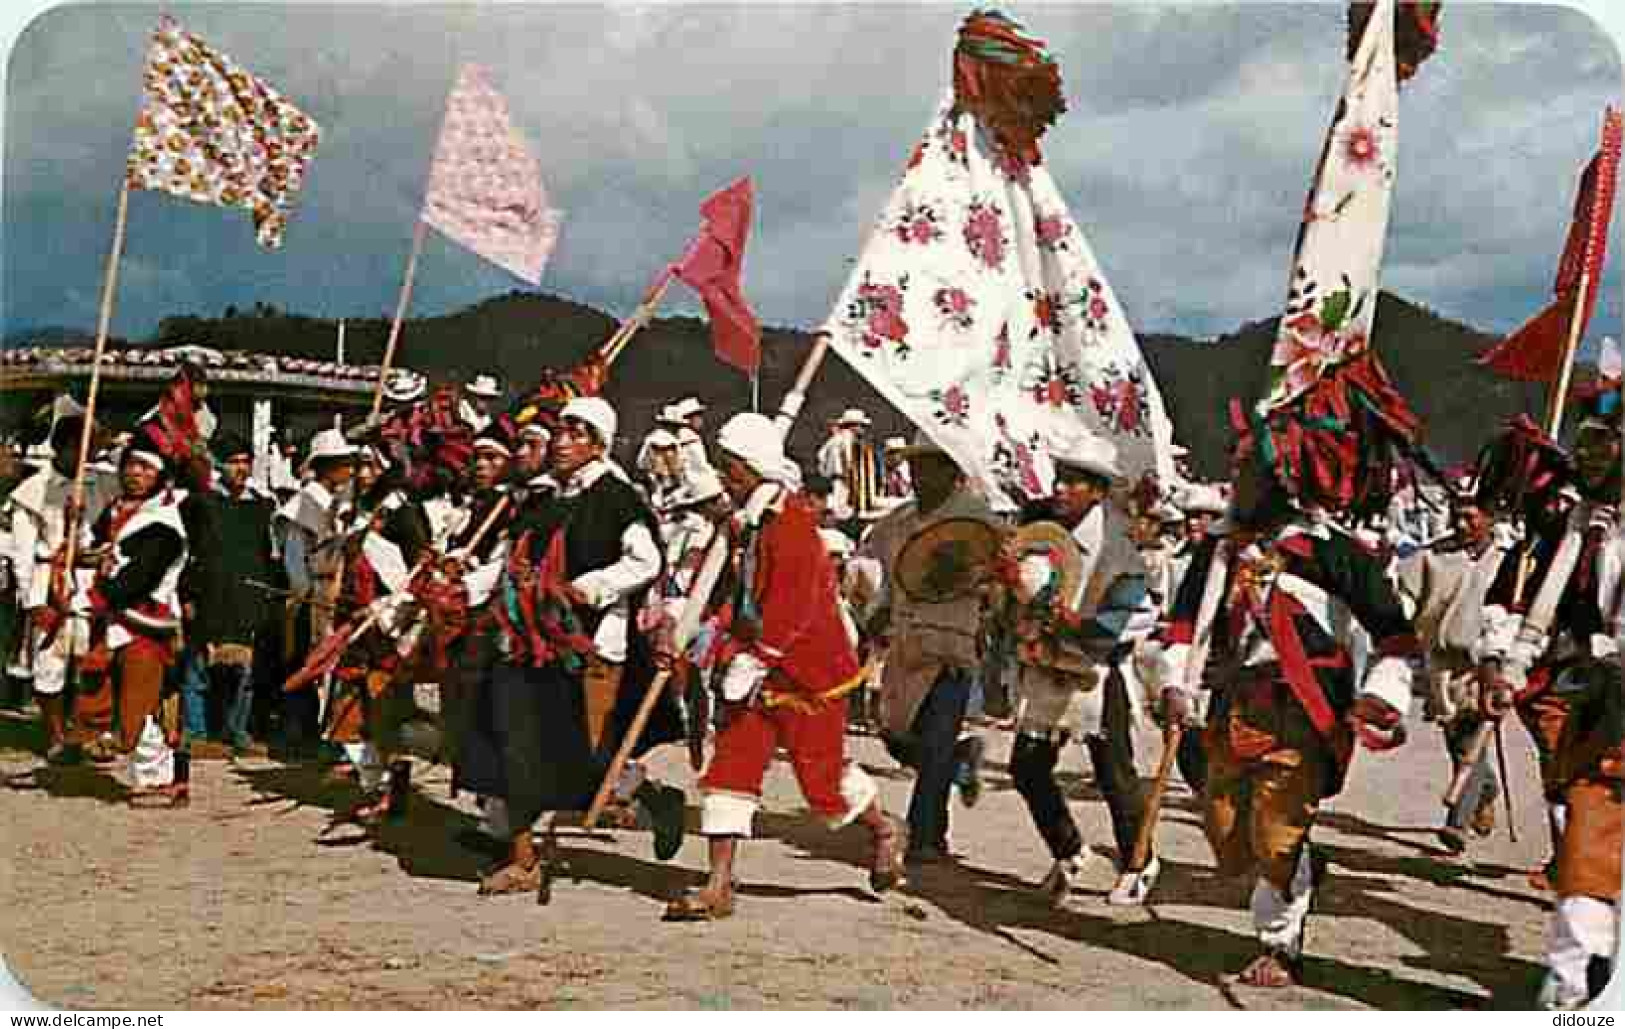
<point>328,443</point>
<point>485,386</point>
<point>404,386</point>
<point>688,406</point>
<point>853,416</point>
<point>1201,498</point>
<point>1090,454</point>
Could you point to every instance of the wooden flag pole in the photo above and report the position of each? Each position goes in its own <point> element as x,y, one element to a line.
<point>103,320</point>
<point>418,235</point>
<point>699,594</point>
<point>637,319</point>
<point>1554,402</point>
<point>1554,408</point>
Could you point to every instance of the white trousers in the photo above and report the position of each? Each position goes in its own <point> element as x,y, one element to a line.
<point>152,762</point>
<point>1582,928</point>
<point>1277,918</point>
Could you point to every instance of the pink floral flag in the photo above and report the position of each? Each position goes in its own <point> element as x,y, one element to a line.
<point>485,187</point>
<point>977,308</point>
<point>1332,296</point>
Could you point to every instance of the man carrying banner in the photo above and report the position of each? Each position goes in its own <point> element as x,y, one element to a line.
<point>40,515</point>
<point>1554,654</point>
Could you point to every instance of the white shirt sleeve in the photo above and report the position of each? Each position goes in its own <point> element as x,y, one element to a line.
<point>637,568</point>
<point>481,581</point>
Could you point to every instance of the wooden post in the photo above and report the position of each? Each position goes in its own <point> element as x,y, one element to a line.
<point>418,233</point>
<point>103,321</point>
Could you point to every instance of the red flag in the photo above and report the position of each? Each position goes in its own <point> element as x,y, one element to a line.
<point>1534,353</point>
<point>713,266</point>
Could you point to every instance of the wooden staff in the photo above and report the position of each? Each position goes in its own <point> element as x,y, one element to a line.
<point>1153,805</point>
<point>699,595</point>
<point>1195,664</point>
<point>312,670</point>
<point>103,320</point>
<point>418,233</point>
<point>1469,760</point>
<point>1506,783</point>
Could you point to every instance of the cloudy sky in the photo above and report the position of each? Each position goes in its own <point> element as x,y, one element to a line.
<point>1185,155</point>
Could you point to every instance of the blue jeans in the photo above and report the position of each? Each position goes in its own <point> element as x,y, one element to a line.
<point>239,703</point>
<point>936,735</point>
<point>194,683</point>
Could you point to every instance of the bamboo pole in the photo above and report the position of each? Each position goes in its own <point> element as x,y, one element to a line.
<point>103,320</point>
<point>405,298</point>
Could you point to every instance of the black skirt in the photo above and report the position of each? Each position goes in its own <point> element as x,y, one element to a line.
<point>526,741</point>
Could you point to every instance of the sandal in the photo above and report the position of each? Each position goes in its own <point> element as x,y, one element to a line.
<point>512,878</point>
<point>886,872</point>
<point>1271,970</point>
<point>699,907</point>
<point>160,798</point>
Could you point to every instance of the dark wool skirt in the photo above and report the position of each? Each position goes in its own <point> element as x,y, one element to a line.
<point>526,738</point>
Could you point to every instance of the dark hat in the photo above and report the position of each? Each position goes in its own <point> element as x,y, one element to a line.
<point>227,445</point>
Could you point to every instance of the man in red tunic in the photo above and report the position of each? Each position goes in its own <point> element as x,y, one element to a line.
<point>788,667</point>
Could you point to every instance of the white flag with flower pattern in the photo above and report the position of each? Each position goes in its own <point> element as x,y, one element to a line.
<point>1332,298</point>
<point>977,308</point>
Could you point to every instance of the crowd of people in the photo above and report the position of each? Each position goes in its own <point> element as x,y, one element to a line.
<point>574,614</point>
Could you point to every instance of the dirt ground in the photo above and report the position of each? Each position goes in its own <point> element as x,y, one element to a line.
<point>244,901</point>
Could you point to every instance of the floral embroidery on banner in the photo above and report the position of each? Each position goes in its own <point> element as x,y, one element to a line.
<point>1047,310</point>
<point>1120,399</point>
<point>953,405</point>
<point>918,223</point>
<point>955,306</point>
<point>917,154</point>
<point>1092,307</point>
<point>984,233</point>
<point>1001,354</point>
<point>1013,168</point>
<point>1361,148</point>
<point>1015,462</point>
<point>1052,231</point>
<point>955,144</point>
<point>876,315</point>
<point>1052,383</point>
<point>1317,331</point>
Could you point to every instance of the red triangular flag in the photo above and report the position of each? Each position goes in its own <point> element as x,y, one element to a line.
<point>1534,353</point>
<point>1593,206</point>
<point>713,265</point>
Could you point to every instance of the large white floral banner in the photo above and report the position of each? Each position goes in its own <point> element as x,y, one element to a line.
<point>1332,297</point>
<point>978,309</point>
